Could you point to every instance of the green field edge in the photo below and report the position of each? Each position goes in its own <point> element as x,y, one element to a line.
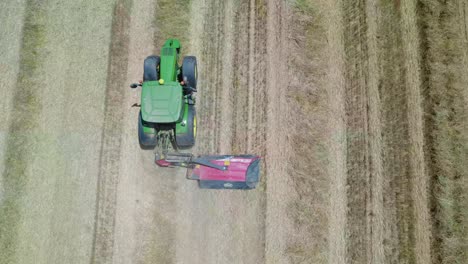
<point>26,107</point>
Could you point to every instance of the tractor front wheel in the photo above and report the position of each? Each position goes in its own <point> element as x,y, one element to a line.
<point>151,68</point>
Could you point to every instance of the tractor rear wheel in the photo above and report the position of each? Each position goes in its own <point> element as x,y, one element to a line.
<point>151,68</point>
<point>189,71</point>
<point>147,140</point>
<point>187,140</point>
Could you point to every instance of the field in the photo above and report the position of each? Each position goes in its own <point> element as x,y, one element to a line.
<point>358,108</point>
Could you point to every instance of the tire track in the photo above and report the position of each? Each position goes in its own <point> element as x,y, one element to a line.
<point>356,103</point>
<point>398,213</point>
<point>337,127</point>
<point>103,244</point>
<point>376,207</point>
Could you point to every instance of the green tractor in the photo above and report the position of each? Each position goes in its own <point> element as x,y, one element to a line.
<point>167,115</point>
<point>167,120</point>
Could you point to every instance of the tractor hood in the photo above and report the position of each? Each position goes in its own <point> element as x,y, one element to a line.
<point>161,103</point>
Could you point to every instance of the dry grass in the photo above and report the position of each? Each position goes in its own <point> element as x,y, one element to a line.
<point>357,125</point>
<point>337,137</point>
<point>415,119</point>
<point>418,170</point>
<point>398,207</point>
<point>443,28</point>
<point>308,135</point>
<point>172,21</point>
<point>437,148</point>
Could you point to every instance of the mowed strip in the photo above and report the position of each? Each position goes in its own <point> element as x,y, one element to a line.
<point>357,140</point>
<point>279,190</point>
<point>419,177</point>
